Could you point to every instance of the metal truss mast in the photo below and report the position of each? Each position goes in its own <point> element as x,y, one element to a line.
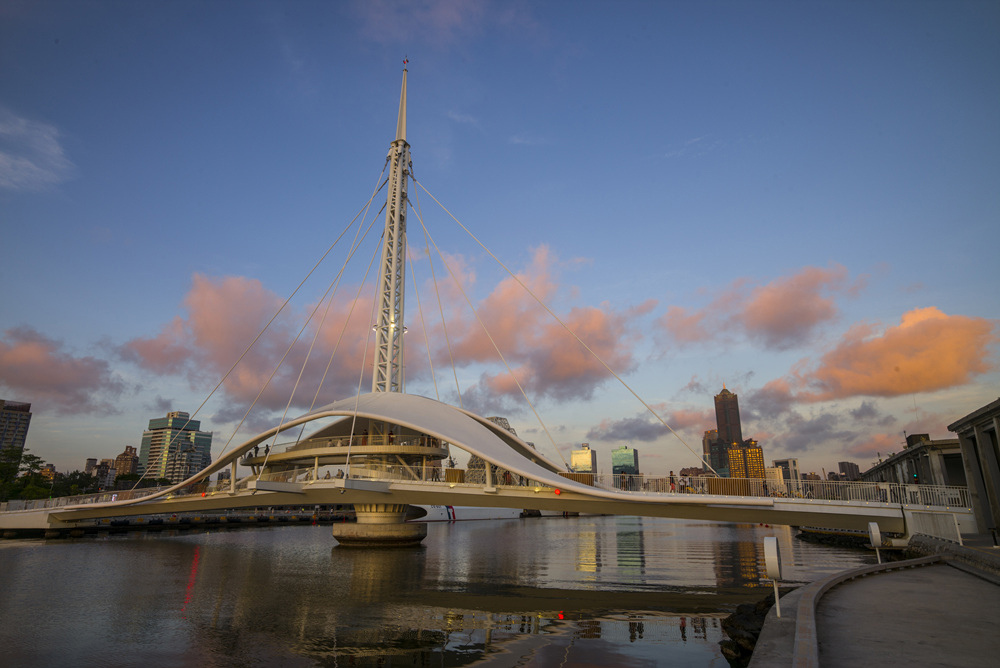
<point>387,372</point>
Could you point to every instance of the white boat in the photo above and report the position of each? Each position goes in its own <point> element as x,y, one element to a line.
<point>459,513</point>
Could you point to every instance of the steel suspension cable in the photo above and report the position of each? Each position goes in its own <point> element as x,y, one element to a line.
<point>437,293</point>
<point>256,338</point>
<point>563,324</point>
<point>493,342</point>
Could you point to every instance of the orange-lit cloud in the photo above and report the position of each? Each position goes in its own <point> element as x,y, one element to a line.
<point>36,369</point>
<point>225,315</point>
<point>927,351</point>
<point>548,360</point>
<point>781,314</point>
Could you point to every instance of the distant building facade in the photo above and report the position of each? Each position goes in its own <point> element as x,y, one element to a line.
<point>790,473</point>
<point>583,460</point>
<point>729,434</point>
<point>921,462</point>
<point>746,460</point>
<point>978,439</point>
<point>15,418</point>
<point>127,462</point>
<point>174,448</point>
<point>727,418</point>
<point>625,461</point>
<point>849,470</point>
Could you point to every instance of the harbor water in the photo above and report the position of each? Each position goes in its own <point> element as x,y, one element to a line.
<point>577,591</point>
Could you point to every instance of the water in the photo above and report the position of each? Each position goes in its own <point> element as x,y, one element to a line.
<point>585,591</point>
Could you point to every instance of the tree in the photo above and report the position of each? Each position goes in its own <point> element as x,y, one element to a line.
<point>31,465</point>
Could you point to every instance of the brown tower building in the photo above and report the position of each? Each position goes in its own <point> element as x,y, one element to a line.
<point>727,418</point>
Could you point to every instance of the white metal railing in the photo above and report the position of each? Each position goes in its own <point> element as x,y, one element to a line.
<point>871,492</point>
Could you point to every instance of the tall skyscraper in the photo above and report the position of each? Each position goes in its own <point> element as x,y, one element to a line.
<point>15,417</point>
<point>625,460</point>
<point>746,460</point>
<point>727,418</point>
<point>173,448</point>
<point>583,460</point>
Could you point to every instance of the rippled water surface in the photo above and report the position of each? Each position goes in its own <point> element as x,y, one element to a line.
<point>595,591</point>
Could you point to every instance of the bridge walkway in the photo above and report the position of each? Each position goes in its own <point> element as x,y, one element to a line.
<point>938,614</point>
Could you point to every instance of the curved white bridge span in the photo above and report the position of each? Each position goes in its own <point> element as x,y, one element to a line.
<point>534,481</point>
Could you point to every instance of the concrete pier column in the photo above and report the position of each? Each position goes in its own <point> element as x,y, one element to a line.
<point>380,525</point>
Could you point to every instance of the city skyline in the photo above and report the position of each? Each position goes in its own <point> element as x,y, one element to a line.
<point>731,197</point>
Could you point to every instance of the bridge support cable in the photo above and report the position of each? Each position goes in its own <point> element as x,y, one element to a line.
<point>423,323</point>
<point>361,375</point>
<point>330,292</point>
<point>486,330</point>
<point>363,210</point>
<point>444,325</point>
<point>564,325</point>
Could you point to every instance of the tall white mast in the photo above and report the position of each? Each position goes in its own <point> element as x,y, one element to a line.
<point>387,372</point>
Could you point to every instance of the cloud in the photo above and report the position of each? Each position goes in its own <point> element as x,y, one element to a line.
<point>927,351</point>
<point>782,314</point>
<point>646,428</point>
<point>465,119</point>
<point>224,315</point>
<point>547,360</point>
<point>31,157</point>
<point>37,370</point>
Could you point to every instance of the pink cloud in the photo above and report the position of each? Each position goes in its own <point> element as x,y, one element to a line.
<point>38,371</point>
<point>225,314</point>
<point>547,358</point>
<point>781,314</point>
<point>683,326</point>
<point>784,312</point>
<point>927,351</point>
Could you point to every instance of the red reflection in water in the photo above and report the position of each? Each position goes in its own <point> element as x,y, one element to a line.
<point>191,579</point>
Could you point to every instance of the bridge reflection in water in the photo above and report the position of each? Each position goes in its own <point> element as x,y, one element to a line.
<point>606,590</point>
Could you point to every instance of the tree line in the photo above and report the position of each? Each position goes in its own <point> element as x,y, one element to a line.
<point>24,480</point>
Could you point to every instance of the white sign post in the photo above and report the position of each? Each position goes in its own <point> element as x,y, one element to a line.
<point>772,567</point>
<point>876,537</point>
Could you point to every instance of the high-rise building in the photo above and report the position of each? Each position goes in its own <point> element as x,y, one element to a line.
<point>173,448</point>
<point>746,460</point>
<point>90,465</point>
<point>625,460</point>
<point>849,470</point>
<point>727,418</point>
<point>15,416</point>
<point>583,460</point>
<point>790,472</point>
<point>127,462</point>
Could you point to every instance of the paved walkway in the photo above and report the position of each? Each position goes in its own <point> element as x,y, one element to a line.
<point>943,614</point>
<point>928,616</point>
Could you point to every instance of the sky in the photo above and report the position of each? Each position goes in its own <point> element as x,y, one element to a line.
<point>795,201</point>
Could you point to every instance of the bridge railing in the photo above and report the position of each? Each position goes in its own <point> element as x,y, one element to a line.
<point>60,501</point>
<point>830,490</point>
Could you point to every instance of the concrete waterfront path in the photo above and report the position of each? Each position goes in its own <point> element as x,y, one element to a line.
<point>941,610</point>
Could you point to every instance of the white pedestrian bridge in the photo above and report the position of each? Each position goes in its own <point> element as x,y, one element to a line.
<point>382,470</point>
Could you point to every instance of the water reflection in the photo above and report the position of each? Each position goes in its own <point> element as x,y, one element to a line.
<point>601,590</point>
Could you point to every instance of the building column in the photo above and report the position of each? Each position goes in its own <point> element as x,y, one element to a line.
<point>987,442</point>
<point>974,480</point>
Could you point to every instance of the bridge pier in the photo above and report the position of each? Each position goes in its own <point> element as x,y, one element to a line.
<point>380,525</point>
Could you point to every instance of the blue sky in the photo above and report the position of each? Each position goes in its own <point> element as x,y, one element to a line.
<point>794,199</point>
